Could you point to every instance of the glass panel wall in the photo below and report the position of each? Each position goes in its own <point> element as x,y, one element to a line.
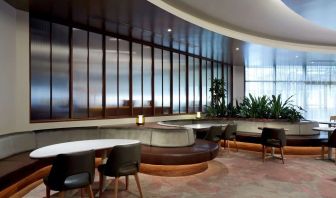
<point>158,84</point>
<point>166,70</point>
<point>40,70</point>
<point>124,75</point>
<point>111,70</point>
<point>183,84</point>
<point>191,86</point>
<point>95,75</point>
<point>60,72</point>
<point>176,83</point>
<point>92,75</point>
<point>79,73</point>
<point>147,80</point>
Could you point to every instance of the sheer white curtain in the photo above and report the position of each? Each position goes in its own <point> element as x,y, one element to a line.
<point>311,83</point>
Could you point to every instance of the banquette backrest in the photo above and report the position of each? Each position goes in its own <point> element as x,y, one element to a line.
<point>16,143</point>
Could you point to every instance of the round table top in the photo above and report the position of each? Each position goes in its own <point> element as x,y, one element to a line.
<point>202,126</point>
<point>78,146</point>
<point>329,129</point>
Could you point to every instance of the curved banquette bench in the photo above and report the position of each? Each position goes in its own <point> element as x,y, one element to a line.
<point>248,126</point>
<point>15,163</point>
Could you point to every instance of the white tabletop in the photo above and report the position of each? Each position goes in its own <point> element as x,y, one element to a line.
<point>78,146</point>
<point>202,126</point>
<point>329,129</point>
<point>327,122</point>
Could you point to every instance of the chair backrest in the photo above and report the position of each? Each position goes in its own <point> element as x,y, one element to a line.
<point>123,156</point>
<point>213,133</point>
<point>230,130</point>
<point>332,140</point>
<point>273,133</point>
<point>66,165</point>
<point>333,118</point>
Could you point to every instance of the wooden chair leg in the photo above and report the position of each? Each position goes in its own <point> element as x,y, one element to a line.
<point>127,182</point>
<point>116,182</point>
<point>101,183</point>
<point>90,192</point>
<point>236,144</point>
<point>322,152</point>
<point>47,192</point>
<point>228,143</point>
<point>282,155</point>
<point>138,183</point>
<point>82,192</point>
<point>264,152</point>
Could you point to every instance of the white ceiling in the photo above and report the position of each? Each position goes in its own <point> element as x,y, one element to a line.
<point>268,22</point>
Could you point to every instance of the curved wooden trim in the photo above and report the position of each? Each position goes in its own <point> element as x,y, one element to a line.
<point>173,170</point>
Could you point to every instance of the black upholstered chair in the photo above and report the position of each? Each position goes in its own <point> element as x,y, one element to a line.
<point>331,143</point>
<point>123,160</point>
<point>214,134</point>
<point>272,137</point>
<point>230,133</point>
<point>71,171</point>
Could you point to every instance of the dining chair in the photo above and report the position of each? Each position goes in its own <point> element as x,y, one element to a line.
<point>214,134</point>
<point>332,119</point>
<point>123,160</point>
<point>331,143</point>
<point>230,133</point>
<point>274,138</point>
<point>71,171</point>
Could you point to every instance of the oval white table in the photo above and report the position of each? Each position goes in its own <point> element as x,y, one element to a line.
<point>78,146</point>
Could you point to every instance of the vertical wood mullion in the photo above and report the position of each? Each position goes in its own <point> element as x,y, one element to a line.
<point>200,85</point>
<point>70,74</point>
<point>142,65</point>
<point>179,62</point>
<point>118,111</point>
<point>130,77</point>
<point>171,81</point>
<point>104,76</point>
<point>88,73</point>
<point>50,71</point>
<point>162,95</point>
<point>152,81</point>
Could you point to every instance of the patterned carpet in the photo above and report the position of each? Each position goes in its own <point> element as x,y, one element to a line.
<point>236,175</point>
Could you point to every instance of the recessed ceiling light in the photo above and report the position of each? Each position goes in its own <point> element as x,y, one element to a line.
<point>169,30</point>
<point>312,62</point>
<point>237,48</point>
<point>296,56</point>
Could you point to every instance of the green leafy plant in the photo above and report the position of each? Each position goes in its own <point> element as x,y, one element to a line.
<point>255,107</point>
<point>217,107</point>
<point>277,106</point>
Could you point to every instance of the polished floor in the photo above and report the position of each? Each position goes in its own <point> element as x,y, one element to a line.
<point>237,175</point>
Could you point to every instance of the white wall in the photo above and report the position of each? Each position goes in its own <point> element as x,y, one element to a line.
<point>7,67</point>
<point>14,78</point>
<point>238,83</point>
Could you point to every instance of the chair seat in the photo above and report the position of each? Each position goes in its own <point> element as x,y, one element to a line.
<point>71,182</point>
<point>123,171</point>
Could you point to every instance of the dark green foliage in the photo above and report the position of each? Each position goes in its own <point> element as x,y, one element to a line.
<point>255,107</point>
<point>252,107</point>
<point>217,107</point>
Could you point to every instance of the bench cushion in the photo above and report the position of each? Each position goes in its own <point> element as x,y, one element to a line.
<point>16,143</point>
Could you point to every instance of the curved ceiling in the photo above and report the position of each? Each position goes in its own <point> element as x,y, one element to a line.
<point>269,22</point>
<point>320,12</point>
